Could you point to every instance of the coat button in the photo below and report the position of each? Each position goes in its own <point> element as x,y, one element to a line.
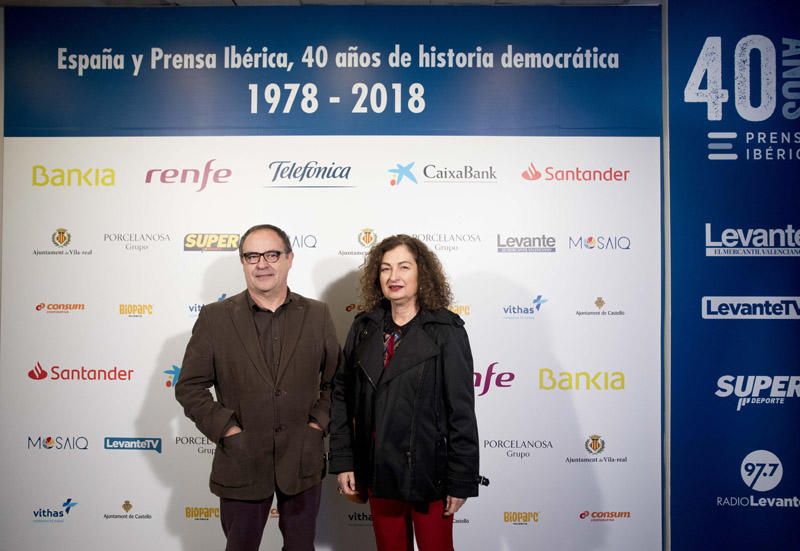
<point>279,428</point>
<point>278,392</point>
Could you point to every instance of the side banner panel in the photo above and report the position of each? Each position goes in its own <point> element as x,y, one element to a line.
<point>124,199</point>
<point>735,152</point>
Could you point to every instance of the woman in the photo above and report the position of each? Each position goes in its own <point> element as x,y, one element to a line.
<point>403,428</point>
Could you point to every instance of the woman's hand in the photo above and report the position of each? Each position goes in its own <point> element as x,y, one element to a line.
<point>347,483</point>
<point>452,505</point>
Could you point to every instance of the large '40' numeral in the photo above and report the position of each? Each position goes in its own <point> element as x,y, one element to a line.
<point>709,64</point>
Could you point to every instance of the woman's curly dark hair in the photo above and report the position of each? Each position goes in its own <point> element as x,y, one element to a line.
<point>434,290</point>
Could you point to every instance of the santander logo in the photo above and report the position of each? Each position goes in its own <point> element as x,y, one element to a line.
<point>531,173</point>
<point>37,373</point>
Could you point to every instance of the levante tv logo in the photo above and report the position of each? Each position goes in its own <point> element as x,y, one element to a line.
<point>46,514</point>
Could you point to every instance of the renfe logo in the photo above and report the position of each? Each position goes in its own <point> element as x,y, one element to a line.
<point>503,379</point>
<point>751,308</point>
<point>189,175</point>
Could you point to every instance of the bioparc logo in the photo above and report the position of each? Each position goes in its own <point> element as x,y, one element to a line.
<point>308,174</point>
<point>60,443</point>
<point>595,448</point>
<point>751,308</point>
<point>753,241</point>
<point>524,311</point>
<point>575,174</point>
<point>521,518</point>
<point>517,448</point>
<point>366,238</point>
<point>604,516</point>
<point>760,390</point>
<point>50,515</point>
<point>211,242</point>
<point>200,513</point>
<point>492,379</point>
<point>199,177</point>
<point>761,471</point>
<point>174,374</point>
<point>59,307</point>
<point>600,242</point>
<point>132,443</point>
<point>58,373</point>
<point>400,173</point>
<point>61,239</point>
<point>135,310</point>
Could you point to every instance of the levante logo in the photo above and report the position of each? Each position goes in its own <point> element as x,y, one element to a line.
<point>131,443</point>
<point>761,471</point>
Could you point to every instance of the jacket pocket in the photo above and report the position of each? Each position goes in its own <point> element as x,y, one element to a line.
<point>233,464</point>
<point>312,457</point>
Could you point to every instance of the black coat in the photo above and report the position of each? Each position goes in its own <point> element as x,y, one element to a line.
<point>420,409</point>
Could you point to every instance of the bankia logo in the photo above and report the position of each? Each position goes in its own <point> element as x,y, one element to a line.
<point>466,173</point>
<point>308,174</point>
<point>208,242</point>
<point>524,311</point>
<point>600,242</point>
<point>56,514</point>
<point>61,239</point>
<point>59,443</point>
<point>758,390</point>
<point>492,379</point>
<point>402,172</point>
<point>526,243</point>
<point>761,471</point>
<point>752,241</point>
<point>58,373</point>
<point>581,380</point>
<point>189,177</point>
<point>576,174</point>
<point>92,177</point>
<point>174,373</point>
<point>137,242</point>
<point>59,307</point>
<point>132,443</point>
<point>518,448</point>
<point>448,242</point>
<point>751,308</point>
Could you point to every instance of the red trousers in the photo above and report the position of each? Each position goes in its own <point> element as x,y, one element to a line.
<point>392,520</point>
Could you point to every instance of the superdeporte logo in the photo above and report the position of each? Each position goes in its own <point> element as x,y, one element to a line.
<point>762,390</point>
<point>189,176</point>
<point>576,173</point>
<point>211,242</point>
<point>58,373</point>
<point>46,514</point>
<point>761,471</point>
<point>753,241</point>
<point>751,308</point>
<point>130,443</point>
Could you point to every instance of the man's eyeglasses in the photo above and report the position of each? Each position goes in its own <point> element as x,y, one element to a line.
<point>270,256</point>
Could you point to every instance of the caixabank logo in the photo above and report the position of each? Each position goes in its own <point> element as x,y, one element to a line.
<point>54,514</point>
<point>746,241</point>
<point>758,390</point>
<point>401,173</point>
<point>58,443</point>
<point>58,373</point>
<point>575,174</point>
<point>761,471</point>
<point>466,173</point>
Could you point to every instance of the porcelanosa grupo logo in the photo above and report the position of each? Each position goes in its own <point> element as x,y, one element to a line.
<point>519,449</point>
<point>524,311</point>
<point>761,471</point>
<point>400,173</point>
<point>761,242</point>
<point>200,444</point>
<point>58,373</point>
<point>576,174</point>
<point>448,242</point>
<point>192,178</point>
<point>54,515</point>
<point>751,308</point>
<point>308,174</point>
<point>136,241</point>
<point>758,390</point>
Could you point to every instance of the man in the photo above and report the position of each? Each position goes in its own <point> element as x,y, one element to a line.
<point>270,355</point>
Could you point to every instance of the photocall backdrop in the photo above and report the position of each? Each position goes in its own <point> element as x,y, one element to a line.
<point>734,79</point>
<point>522,144</point>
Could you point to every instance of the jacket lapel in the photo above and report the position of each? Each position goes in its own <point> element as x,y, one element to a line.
<point>296,311</point>
<point>243,322</point>
<point>369,352</point>
<point>414,349</point>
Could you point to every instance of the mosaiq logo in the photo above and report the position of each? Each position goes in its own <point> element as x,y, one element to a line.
<point>60,443</point>
<point>199,177</point>
<point>761,471</point>
<point>600,242</point>
<point>575,174</point>
<point>308,174</point>
<point>752,241</point>
<point>758,390</point>
<point>58,373</point>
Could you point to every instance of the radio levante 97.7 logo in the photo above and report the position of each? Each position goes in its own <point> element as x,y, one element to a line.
<point>761,471</point>
<point>758,96</point>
